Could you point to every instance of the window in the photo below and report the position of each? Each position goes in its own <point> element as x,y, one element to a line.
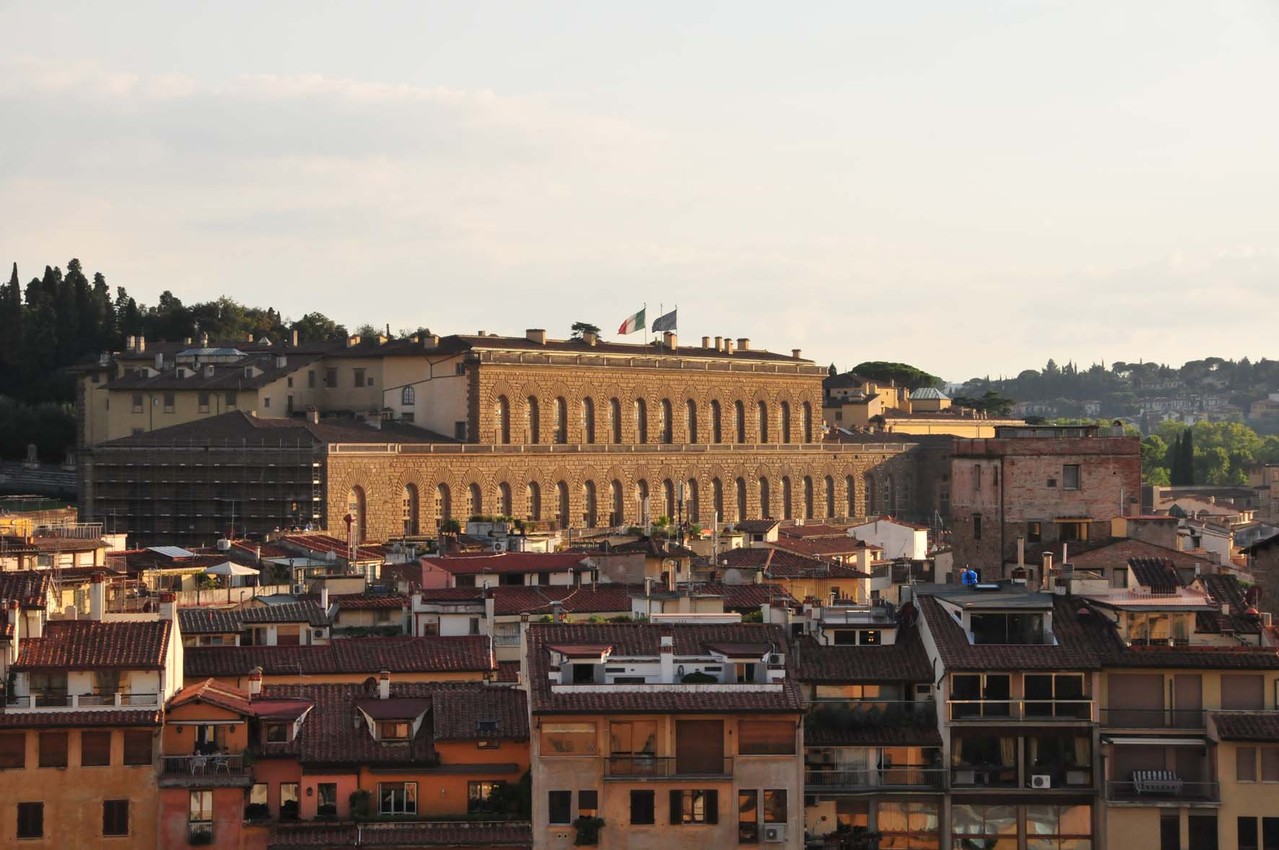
<point>289,382</point>
<point>695,806</point>
<point>289,800</point>
<point>775,806</point>
<point>1054,827</point>
<point>169,402</point>
<point>478,794</point>
<point>359,377</point>
<point>1202,831</point>
<point>459,430</point>
<point>137,402</point>
<point>564,739</point>
<point>231,399</point>
<point>13,749</point>
<point>393,730</point>
<point>257,808</point>
<point>326,799</point>
<point>53,749</point>
<point>1246,764</point>
<point>203,402</point>
<point>976,477</point>
<point>766,737</point>
<point>588,803</point>
<point>976,526</point>
<point>266,401</point>
<point>980,695</point>
<point>643,810</point>
<point>115,817</point>
<point>95,749</point>
<point>982,825</point>
<point>397,798</point>
<point>408,397</point>
<point>310,379</point>
<point>31,820</point>
<point>1270,834</point>
<point>1034,532</point>
<point>1270,764</point>
<point>277,733</point>
<point>1056,695</point>
<point>200,816</point>
<point>748,817</point>
<point>331,377</point>
<point>1070,476</point>
<point>559,806</point>
<point>1247,834</point>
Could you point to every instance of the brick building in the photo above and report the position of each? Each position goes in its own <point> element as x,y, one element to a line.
<point>1048,485</point>
<point>583,433</point>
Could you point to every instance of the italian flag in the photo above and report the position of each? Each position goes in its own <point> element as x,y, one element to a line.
<point>633,323</point>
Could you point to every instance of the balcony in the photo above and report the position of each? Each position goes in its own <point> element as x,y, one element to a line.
<point>1020,710</point>
<point>870,714</point>
<point>62,701</point>
<point>1154,718</point>
<point>838,779</point>
<point>204,771</point>
<point>984,776</point>
<point>1169,792</point>
<point>640,765</point>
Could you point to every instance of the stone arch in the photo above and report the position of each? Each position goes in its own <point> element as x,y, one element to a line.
<point>410,508</point>
<point>357,505</point>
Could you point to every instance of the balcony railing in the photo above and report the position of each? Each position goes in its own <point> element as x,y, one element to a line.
<point>500,639</point>
<point>663,767</point>
<point>984,776</point>
<point>1128,791</point>
<point>204,770</point>
<point>909,776</point>
<point>60,700</point>
<point>870,714</point>
<point>1028,710</point>
<point>1154,718</point>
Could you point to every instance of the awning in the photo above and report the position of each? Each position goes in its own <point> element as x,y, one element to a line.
<point>226,568</point>
<point>1156,742</point>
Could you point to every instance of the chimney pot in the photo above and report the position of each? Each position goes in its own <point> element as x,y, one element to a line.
<point>728,345</point>
<point>796,353</point>
<point>384,685</point>
<point>743,343</point>
<point>719,343</point>
<point>706,342</point>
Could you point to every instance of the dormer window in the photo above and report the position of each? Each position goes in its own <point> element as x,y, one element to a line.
<point>393,731</point>
<point>277,733</point>
<point>583,674</point>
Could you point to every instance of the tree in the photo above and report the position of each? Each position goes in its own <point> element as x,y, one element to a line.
<point>579,329</point>
<point>990,403</point>
<point>1154,457</point>
<point>317,327</point>
<point>903,374</point>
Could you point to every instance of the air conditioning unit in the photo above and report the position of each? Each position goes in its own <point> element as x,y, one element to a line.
<point>1041,780</point>
<point>775,832</point>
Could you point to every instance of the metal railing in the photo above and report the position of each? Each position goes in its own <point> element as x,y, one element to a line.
<point>658,767</point>
<point>1128,791</point>
<point>870,714</point>
<point>984,776</point>
<point>200,766</point>
<point>908,776</point>
<point>56,700</point>
<point>1020,709</point>
<point>1154,718</point>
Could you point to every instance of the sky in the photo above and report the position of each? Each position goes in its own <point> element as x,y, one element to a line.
<point>969,187</point>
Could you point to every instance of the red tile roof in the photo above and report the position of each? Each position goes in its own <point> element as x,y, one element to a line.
<point>210,691</point>
<point>459,834</point>
<point>778,563</point>
<point>84,717</point>
<point>757,526</point>
<point>498,713</point>
<point>369,601</point>
<point>509,562</point>
<point>806,532</point>
<point>821,547</point>
<point>589,599</point>
<point>323,544</point>
<point>462,654</point>
<point>29,587</point>
<point>903,661</point>
<point>90,645</point>
<point>1247,725</point>
<point>641,640</point>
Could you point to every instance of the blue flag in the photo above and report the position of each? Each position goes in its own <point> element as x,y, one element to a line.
<point>665,323</point>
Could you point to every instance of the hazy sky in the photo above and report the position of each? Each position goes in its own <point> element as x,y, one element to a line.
<point>969,186</point>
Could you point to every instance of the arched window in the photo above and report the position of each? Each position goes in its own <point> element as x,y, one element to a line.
<point>808,497</point>
<point>355,506</point>
<point>502,420</point>
<point>664,425</point>
<point>850,495</point>
<point>872,497</point>
<point>588,420</point>
<point>616,508</point>
<point>717,423</point>
<point>504,506</point>
<point>717,498</point>
<point>806,421</point>
<point>615,419</point>
<point>690,420</point>
<point>739,421</point>
<point>533,499</point>
<point>560,424</point>
<point>588,504</point>
<point>785,422</point>
<point>641,421</point>
<point>668,499</point>
<point>475,501</point>
<point>765,509</point>
<point>408,397</point>
<point>763,423</point>
<point>533,420</point>
<point>694,503</point>
<point>443,505</point>
<point>830,497</point>
<point>561,504</point>
<point>890,495</point>
<point>786,498</point>
<point>410,507</point>
<point>741,499</point>
<point>641,499</point>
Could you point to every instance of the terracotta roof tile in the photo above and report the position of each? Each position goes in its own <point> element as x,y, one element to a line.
<point>91,644</point>
<point>212,692</point>
<point>1247,725</point>
<point>86,717</point>
<point>778,563</point>
<point>806,532</point>
<point>29,587</point>
<point>903,661</point>
<point>757,526</point>
<point>496,713</point>
<point>509,562</point>
<point>348,656</point>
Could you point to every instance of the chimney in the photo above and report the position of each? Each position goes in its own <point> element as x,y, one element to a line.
<point>204,339</point>
<point>255,682</point>
<point>537,335</point>
<point>670,340</point>
<point>797,353</point>
<point>15,617</point>
<point>293,337</point>
<point>384,685</point>
<point>743,343</point>
<point>706,342</point>
<point>312,415</point>
<point>590,337</point>
<point>168,606</point>
<point>667,648</point>
<point>324,597</point>
<point>159,361</point>
<point>1048,568</point>
<point>97,596</point>
<point>1021,551</point>
<point>728,345</point>
<point>719,343</point>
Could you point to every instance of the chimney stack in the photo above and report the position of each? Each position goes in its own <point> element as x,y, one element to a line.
<point>255,682</point>
<point>293,337</point>
<point>797,353</point>
<point>719,343</point>
<point>728,345</point>
<point>706,342</point>
<point>168,606</point>
<point>15,618</point>
<point>743,343</point>
<point>97,596</point>
<point>590,337</point>
<point>324,597</point>
<point>537,335</point>
<point>667,648</point>
<point>670,340</point>
<point>384,685</point>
